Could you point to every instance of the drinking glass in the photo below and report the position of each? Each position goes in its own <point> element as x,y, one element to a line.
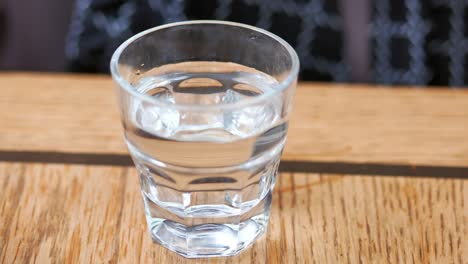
<point>205,107</point>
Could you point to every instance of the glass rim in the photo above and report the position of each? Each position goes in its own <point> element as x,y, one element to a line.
<point>281,86</point>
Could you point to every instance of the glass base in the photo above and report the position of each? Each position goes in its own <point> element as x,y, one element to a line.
<point>217,237</point>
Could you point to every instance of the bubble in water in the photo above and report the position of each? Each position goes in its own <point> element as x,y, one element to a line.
<point>158,120</point>
<point>253,118</point>
<point>249,120</point>
<point>207,89</point>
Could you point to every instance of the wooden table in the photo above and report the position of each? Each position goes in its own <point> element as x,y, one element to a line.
<point>369,174</point>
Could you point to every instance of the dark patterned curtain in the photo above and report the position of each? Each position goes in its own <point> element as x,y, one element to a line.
<point>313,28</point>
<point>420,42</point>
<point>413,41</point>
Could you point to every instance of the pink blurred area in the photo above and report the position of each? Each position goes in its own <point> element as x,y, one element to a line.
<point>32,34</point>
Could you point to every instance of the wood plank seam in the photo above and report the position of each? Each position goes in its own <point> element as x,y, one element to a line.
<point>348,168</point>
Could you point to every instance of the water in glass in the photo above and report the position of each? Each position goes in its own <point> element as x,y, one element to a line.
<point>206,176</point>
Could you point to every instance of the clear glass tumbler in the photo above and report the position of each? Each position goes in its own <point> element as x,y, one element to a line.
<point>205,106</point>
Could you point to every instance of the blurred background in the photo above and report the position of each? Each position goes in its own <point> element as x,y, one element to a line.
<point>407,42</point>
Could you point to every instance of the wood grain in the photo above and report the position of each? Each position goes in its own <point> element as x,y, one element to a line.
<point>65,213</point>
<point>77,113</point>
<point>84,214</point>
